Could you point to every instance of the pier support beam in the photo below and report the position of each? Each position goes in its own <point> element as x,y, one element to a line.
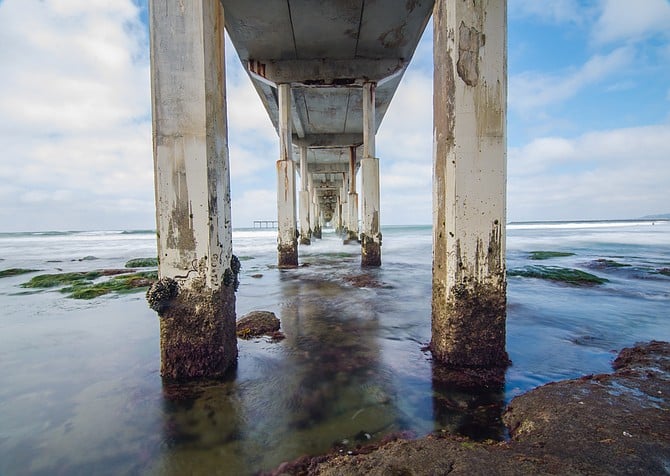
<point>470,90</point>
<point>305,229</point>
<point>371,238</point>
<point>195,295</point>
<point>287,244</point>
<point>352,229</point>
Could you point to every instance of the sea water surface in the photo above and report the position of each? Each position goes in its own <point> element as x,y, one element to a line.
<point>80,390</point>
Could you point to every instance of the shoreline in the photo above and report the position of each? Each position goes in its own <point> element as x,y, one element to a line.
<point>614,423</point>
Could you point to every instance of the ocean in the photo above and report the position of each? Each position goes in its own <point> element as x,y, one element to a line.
<point>81,392</point>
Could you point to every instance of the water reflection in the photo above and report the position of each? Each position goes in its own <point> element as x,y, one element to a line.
<point>462,405</point>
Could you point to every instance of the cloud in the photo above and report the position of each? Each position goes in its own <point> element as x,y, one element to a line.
<point>556,11</point>
<point>622,21</point>
<point>532,90</point>
<point>619,173</point>
<point>75,115</point>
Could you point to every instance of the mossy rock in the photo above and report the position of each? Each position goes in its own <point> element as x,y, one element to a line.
<point>61,279</point>
<point>118,284</point>
<point>556,273</point>
<point>5,273</point>
<point>142,263</point>
<point>603,263</point>
<point>542,255</point>
<point>257,323</point>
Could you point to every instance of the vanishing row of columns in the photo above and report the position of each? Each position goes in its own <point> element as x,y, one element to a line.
<point>195,295</point>
<point>346,208</point>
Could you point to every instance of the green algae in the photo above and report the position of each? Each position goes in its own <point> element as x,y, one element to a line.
<point>118,284</point>
<point>142,263</point>
<point>608,263</point>
<point>542,255</point>
<point>61,279</point>
<point>664,271</point>
<point>559,274</point>
<point>5,273</point>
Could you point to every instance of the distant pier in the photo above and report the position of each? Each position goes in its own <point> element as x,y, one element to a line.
<point>265,223</point>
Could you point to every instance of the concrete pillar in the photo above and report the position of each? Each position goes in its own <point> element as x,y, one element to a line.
<point>344,206</point>
<point>287,244</point>
<point>352,233</point>
<point>312,208</point>
<point>470,90</point>
<point>305,229</point>
<point>371,238</point>
<point>195,295</point>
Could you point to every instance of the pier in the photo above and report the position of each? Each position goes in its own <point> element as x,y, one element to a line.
<point>265,223</point>
<point>326,72</point>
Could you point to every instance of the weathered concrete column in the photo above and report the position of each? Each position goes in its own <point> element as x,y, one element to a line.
<point>470,90</point>
<point>287,245</point>
<point>352,233</point>
<point>195,295</point>
<point>312,208</point>
<point>371,238</point>
<point>305,229</point>
<point>344,206</point>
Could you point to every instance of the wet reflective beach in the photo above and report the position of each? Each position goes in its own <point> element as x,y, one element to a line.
<point>81,392</point>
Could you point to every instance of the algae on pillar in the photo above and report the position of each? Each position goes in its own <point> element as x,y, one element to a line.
<point>470,90</point>
<point>195,295</point>
<point>287,244</point>
<point>371,237</point>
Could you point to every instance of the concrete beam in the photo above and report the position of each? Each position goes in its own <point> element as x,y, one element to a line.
<point>325,141</point>
<point>469,188</point>
<point>195,295</point>
<point>326,72</point>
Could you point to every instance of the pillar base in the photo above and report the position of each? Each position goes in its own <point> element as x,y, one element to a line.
<point>468,326</point>
<point>305,240</point>
<point>371,250</point>
<point>197,332</point>
<point>351,236</point>
<point>317,232</point>
<point>287,255</point>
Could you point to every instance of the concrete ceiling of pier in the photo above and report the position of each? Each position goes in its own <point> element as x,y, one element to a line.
<point>326,49</point>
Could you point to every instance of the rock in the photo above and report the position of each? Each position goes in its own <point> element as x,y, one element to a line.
<point>604,424</point>
<point>257,323</point>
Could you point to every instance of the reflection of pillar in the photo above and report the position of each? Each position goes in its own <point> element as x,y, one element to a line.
<point>470,90</point>
<point>352,233</point>
<point>371,238</point>
<point>287,245</point>
<point>195,295</point>
<point>305,230</point>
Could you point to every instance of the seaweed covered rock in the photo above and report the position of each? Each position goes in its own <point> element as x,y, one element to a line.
<point>605,424</point>
<point>257,323</point>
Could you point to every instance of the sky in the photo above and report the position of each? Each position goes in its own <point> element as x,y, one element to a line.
<point>588,118</point>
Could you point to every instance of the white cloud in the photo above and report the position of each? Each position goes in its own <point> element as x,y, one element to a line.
<point>254,204</point>
<point>555,11</point>
<point>75,132</point>
<point>624,21</point>
<point>533,90</point>
<point>621,173</point>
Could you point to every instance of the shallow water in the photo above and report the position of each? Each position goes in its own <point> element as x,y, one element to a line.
<point>81,392</point>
